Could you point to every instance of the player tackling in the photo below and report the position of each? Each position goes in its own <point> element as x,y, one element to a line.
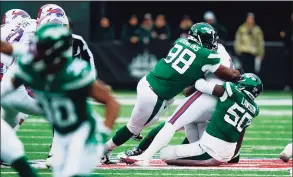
<point>234,113</point>
<point>185,63</point>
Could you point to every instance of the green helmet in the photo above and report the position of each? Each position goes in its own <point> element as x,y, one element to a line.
<point>53,46</point>
<point>204,35</point>
<point>250,84</point>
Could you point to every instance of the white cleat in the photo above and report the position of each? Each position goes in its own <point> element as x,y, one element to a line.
<point>286,154</point>
<point>137,160</point>
<point>49,162</point>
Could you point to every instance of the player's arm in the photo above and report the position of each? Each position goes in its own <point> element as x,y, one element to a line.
<point>8,87</point>
<point>212,64</point>
<point>209,88</point>
<point>101,94</point>
<point>15,49</point>
<point>227,74</point>
<point>189,90</point>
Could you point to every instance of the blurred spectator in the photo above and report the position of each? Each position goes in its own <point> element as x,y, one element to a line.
<point>183,28</point>
<point>210,18</point>
<point>161,29</point>
<point>249,44</point>
<point>129,31</point>
<point>287,38</point>
<point>145,30</point>
<point>105,32</point>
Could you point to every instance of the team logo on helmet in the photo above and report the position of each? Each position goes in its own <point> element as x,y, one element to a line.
<point>23,14</point>
<point>58,12</point>
<point>14,15</point>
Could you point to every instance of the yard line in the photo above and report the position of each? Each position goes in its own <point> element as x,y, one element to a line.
<point>260,102</point>
<point>166,174</point>
<point>247,138</point>
<point>269,113</point>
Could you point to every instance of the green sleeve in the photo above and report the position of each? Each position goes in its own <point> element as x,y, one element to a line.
<point>79,75</point>
<point>211,61</point>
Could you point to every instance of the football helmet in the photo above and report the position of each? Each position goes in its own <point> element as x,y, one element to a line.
<point>49,9</point>
<point>53,46</point>
<point>15,16</point>
<point>204,35</point>
<point>250,84</point>
<point>61,20</point>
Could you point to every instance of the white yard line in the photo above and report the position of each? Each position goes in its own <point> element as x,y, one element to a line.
<point>245,138</point>
<point>260,102</point>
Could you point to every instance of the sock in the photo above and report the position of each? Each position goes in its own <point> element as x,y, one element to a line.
<point>53,144</point>
<point>145,143</point>
<point>121,136</point>
<point>185,141</point>
<point>161,140</point>
<point>23,168</point>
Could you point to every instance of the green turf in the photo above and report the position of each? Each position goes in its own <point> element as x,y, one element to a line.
<point>265,138</point>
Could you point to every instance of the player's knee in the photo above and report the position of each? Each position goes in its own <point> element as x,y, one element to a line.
<point>134,129</point>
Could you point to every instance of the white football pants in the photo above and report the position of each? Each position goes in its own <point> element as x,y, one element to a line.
<point>147,109</point>
<point>74,154</point>
<point>11,147</point>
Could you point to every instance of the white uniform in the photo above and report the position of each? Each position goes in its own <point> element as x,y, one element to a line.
<point>21,100</point>
<point>195,129</point>
<point>147,109</point>
<point>11,147</point>
<point>197,108</point>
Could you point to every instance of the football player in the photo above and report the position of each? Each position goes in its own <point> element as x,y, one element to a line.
<point>195,129</point>
<point>234,113</point>
<point>17,27</point>
<point>52,13</point>
<point>185,63</point>
<point>12,152</point>
<point>62,86</point>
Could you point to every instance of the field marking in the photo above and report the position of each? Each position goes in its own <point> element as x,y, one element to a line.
<point>163,174</point>
<point>247,139</point>
<point>178,101</point>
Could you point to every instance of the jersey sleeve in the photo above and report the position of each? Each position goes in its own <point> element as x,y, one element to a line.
<point>211,62</point>
<point>80,75</point>
<point>230,91</point>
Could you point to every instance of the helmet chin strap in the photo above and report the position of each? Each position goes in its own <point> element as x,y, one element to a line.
<point>194,39</point>
<point>249,94</point>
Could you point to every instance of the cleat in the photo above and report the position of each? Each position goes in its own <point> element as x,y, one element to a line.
<point>137,137</point>
<point>137,160</point>
<point>235,159</point>
<point>286,154</point>
<point>132,152</point>
<point>105,159</point>
<point>49,161</point>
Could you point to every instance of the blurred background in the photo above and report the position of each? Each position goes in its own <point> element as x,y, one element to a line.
<point>128,38</point>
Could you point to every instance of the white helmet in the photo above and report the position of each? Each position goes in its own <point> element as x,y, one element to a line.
<point>49,9</point>
<point>53,19</point>
<point>15,16</point>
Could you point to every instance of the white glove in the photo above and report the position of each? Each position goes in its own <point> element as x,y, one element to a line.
<point>204,86</point>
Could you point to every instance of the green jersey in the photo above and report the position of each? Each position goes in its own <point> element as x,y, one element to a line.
<point>234,112</point>
<point>186,62</point>
<point>62,96</point>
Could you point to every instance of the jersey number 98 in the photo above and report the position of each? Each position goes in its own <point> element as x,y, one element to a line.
<point>181,58</point>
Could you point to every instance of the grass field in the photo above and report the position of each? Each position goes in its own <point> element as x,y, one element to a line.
<point>270,132</point>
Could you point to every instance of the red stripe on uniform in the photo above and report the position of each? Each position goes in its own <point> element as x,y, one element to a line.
<point>184,107</point>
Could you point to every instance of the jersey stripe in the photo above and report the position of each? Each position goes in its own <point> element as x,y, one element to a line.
<point>229,90</point>
<point>214,56</point>
<point>184,107</point>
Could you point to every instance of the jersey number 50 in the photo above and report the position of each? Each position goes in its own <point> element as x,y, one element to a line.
<point>238,123</point>
<point>181,58</point>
